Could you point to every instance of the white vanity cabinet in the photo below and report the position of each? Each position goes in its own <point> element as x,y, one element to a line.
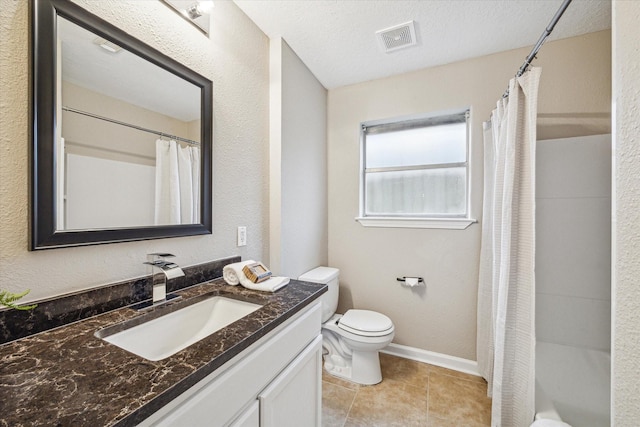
<point>292,398</point>
<point>249,418</point>
<point>275,382</point>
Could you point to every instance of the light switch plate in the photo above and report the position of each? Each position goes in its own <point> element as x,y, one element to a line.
<point>242,236</point>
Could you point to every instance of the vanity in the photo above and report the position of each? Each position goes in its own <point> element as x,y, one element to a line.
<point>275,384</point>
<point>261,370</point>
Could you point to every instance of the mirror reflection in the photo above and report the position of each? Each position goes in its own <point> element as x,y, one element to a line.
<point>128,142</point>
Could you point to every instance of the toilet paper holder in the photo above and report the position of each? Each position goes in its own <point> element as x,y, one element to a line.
<point>410,281</point>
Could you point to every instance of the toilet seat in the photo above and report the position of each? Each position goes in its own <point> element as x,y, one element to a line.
<point>366,323</point>
<point>360,337</point>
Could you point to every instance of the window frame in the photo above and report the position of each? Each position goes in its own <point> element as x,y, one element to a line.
<point>447,221</point>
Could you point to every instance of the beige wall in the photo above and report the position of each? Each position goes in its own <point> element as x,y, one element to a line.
<point>97,138</point>
<point>576,80</point>
<point>234,57</point>
<point>626,214</point>
<point>298,238</point>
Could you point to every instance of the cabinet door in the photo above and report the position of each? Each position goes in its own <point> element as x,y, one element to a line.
<point>294,398</point>
<point>249,418</point>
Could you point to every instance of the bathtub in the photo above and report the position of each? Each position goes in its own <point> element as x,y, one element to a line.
<point>573,385</point>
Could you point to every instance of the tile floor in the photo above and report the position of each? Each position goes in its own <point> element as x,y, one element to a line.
<point>410,394</point>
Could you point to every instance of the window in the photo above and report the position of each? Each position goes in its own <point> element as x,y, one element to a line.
<point>415,172</point>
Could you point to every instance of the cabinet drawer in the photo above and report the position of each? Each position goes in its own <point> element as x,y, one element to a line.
<point>217,399</point>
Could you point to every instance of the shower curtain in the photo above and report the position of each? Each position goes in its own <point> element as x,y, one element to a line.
<point>506,289</point>
<point>177,183</point>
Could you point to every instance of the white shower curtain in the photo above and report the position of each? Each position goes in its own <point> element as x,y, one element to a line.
<point>177,183</point>
<point>506,290</point>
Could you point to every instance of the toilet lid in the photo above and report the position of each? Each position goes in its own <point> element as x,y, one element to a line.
<point>366,323</point>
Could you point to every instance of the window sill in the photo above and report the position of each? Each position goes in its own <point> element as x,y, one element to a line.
<point>395,222</point>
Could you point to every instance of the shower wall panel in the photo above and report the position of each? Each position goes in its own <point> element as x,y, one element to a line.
<point>573,241</point>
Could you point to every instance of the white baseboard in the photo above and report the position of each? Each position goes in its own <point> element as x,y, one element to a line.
<point>450,362</point>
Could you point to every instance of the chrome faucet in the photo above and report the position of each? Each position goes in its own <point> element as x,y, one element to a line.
<point>161,272</point>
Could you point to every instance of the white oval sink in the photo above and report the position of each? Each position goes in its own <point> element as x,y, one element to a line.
<point>166,335</point>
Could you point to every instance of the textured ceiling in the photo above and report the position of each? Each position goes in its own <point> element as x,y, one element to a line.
<point>336,38</point>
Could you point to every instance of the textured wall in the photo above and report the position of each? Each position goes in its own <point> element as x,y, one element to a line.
<point>304,167</point>
<point>234,57</point>
<point>575,86</point>
<point>626,214</point>
<point>298,168</point>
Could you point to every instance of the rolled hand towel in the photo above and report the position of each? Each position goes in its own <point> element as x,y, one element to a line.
<point>269,285</point>
<point>549,423</point>
<point>232,273</point>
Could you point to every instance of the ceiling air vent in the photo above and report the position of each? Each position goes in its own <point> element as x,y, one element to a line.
<point>397,37</point>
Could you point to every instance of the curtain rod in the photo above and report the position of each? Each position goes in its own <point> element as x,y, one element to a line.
<point>541,40</point>
<point>118,122</point>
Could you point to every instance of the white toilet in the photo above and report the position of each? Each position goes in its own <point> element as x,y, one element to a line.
<point>351,341</point>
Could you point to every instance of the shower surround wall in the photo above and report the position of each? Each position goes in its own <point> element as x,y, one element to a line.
<point>573,277</point>
<point>573,242</point>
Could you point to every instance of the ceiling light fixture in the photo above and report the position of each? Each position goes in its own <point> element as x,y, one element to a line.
<point>107,45</point>
<point>198,9</point>
<point>198,12</point>
<point>192,12</point>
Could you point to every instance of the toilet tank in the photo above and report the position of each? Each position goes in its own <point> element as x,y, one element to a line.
<point>328,276</point>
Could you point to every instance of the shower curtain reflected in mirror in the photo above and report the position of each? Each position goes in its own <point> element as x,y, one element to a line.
<point>506,290</point>
<point>177,183</point>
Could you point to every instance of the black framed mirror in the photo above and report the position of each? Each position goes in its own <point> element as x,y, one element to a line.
<point>121,135</point>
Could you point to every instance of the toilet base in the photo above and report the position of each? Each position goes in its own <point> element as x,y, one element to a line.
<point>352,357</point>
<point>362,368</point>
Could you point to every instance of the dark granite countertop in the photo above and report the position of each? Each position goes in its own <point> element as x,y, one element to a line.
<point>68,377</point>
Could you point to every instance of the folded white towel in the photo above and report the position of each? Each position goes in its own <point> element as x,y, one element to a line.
<point>233,274</point>
<point>549,423</point>
<point>270,285</point>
